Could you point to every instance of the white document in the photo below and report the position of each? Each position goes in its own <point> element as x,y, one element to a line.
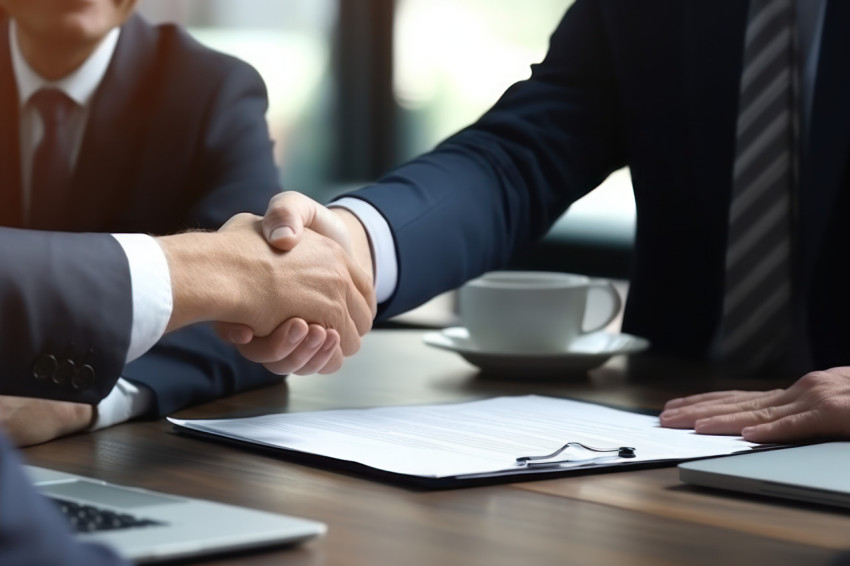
<point>472,440</point>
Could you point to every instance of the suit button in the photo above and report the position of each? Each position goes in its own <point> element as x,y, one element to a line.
<point>83,378</point>
<point>44,367</point>
<point>64,372</point>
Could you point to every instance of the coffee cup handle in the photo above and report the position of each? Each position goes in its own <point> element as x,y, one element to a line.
<point>616,302</point>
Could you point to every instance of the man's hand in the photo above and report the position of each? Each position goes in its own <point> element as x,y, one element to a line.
<point>235,276</point>
<point>290,212</point>
<point>289,216</point>
<point>816,406</point>
<point>33,421</point>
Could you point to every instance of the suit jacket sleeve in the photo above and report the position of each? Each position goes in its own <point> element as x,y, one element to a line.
<point>192,366</point>
<point>231,170</point>
<point>66,314</point>
<point>31,531</point>
<point>497,186</point>
<point>238,171</point>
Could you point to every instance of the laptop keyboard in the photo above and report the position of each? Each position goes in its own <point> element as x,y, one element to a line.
<point>88,519</point>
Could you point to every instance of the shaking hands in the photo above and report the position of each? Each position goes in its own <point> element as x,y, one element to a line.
<point>299,306</point>
<point>304,285</point>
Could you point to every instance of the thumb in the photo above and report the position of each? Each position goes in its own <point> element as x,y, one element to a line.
<point>286,216</point>
<point>290,212</point>
<point>232,332</point>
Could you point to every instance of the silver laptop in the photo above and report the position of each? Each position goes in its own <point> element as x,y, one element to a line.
<point>146,526</point>
<point>815,473</point>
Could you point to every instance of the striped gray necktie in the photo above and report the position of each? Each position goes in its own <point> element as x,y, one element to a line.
<point>756,324</point>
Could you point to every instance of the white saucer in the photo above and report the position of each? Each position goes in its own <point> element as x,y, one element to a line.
<point>589,351</point>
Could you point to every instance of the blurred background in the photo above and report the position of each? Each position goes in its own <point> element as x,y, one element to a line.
<point>358,86</point>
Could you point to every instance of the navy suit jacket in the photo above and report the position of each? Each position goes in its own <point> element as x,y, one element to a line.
<point>176,139</point>
<point>652,85</point>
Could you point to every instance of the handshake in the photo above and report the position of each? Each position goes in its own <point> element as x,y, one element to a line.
<point>293,290</point>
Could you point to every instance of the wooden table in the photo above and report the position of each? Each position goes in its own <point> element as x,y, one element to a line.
<point>633,517</point>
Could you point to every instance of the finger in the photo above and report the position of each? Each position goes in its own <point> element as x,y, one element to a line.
<point>362,281</point>
<point>362,305</point>
<point>303,353</point>
<point>277,345</point>
<point>323,356</point>
<point>712,396</point>
<point>734,423</point>
<point>335,362</point>
<point>290,212</point>
<point>792,428</point>
<point>349,337</point>
<point>285,218</point>
<point>686,416</point>
<point>234,333</point>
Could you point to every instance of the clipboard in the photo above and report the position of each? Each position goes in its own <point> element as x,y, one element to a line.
<point>503,439</point>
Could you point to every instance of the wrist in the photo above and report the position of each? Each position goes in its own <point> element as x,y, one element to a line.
<point>199,278</point>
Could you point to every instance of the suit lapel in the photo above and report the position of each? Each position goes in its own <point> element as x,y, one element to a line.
<point>108,157</point>
<point>10,161</point>
<point>825,163</point>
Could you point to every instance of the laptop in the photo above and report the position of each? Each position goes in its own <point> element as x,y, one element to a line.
<point>146,526</point>
<point>816,473</point>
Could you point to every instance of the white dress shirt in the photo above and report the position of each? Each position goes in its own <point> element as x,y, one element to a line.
<point>384,262</point>
<point>149,275</point>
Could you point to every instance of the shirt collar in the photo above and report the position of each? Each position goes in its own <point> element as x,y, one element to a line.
<point>80,85</point>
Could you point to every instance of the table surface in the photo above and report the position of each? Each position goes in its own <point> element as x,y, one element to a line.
<point>626,517</point>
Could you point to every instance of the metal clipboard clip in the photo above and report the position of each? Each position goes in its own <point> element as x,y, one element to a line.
<point>537,461</point>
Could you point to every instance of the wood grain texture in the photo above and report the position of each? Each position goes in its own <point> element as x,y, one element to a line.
<point>638,517</point>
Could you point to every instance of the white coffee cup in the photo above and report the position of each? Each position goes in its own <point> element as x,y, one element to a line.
<point>531,312</point>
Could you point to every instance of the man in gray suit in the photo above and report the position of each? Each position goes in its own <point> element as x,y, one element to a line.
<point>70,307</point>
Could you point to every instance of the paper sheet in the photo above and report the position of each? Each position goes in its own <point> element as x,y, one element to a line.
<point>473,439</point>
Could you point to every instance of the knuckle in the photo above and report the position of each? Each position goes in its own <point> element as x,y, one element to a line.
<point>814,378</point>
<point>833,404</point>
<point>767,414</point>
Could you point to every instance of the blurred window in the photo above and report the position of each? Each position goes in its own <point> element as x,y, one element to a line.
<point>454,58</point>
<point>289,43</point>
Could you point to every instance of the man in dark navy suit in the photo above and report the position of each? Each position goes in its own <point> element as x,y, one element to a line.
<point>667,88</point>
<point>159,134</point>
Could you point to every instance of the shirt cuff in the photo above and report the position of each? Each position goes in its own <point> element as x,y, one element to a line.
<point>381,240</point>
<point>151,284</point>
<point>126,401</point>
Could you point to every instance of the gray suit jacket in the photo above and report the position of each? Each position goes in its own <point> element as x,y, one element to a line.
<point>31,531</point>
<point>65,319</point>
<point>65,314</point>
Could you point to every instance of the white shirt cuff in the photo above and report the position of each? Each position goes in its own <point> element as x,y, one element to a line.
<point>124,402</point>
<point>381,240</point>
<point>151,284</point>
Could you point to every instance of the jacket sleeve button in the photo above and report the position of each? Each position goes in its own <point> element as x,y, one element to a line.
<point>84,377</point>
<point>44,367</point>
<point>64,372</point>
